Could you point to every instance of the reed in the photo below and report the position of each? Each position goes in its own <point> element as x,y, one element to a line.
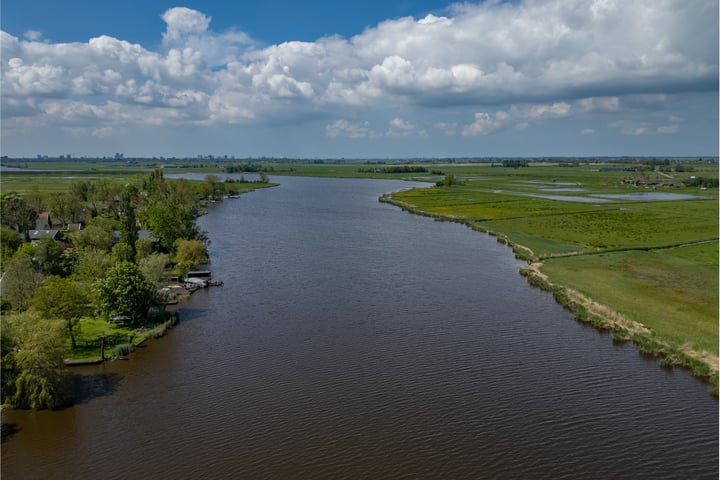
<point>123,349</point>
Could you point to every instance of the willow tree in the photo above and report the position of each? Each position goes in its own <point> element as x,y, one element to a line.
<point>34,373</point>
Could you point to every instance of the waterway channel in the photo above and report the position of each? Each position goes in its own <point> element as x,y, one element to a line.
<point>354,340</point>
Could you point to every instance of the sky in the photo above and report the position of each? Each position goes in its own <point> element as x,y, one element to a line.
<point>372,79</point>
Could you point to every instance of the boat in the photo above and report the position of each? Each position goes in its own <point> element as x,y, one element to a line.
<point>196,282</point>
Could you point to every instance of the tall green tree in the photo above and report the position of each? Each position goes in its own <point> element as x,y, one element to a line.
<point>17,213</point>
<point>154,267</point>
<point>34,374</point>
<point>50,258</point>
<point>170,222</point>
<point>98,235</point>
<point>20,281</point>
<point>66,208</point>
<point>212,187</point>
<point>91,265</point>
<point>191,252</point>
<point>128,222</point>
<point>63,299</point>
<point>10,241</point>
<point>125,292</point>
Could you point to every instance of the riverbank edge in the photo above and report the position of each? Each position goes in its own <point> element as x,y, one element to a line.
<point>703,365</point>
<point>157,331</point>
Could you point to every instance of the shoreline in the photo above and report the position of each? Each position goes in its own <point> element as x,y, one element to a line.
<point>701,364</point>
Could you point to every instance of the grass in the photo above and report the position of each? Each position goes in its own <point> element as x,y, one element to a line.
<point>630,256</point>
<point>672,296</point>
<point>51,182</point>
<point>118,336</point>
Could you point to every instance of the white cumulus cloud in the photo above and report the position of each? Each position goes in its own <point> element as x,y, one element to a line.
<point>496,63</point>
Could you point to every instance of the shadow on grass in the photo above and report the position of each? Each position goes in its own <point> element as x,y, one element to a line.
<point>8,430</point>
<point>89,387</point>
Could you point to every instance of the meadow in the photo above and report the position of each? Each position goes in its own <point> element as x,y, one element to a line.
<point>643,244</point>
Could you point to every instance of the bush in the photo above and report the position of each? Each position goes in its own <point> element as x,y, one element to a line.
<point>123,349</point>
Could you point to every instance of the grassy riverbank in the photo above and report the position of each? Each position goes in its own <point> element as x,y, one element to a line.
<point>644,266</point>
<point>119,339</point>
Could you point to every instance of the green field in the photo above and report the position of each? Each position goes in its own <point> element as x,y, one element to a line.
<point>43,183</point>
<point>653,259</point>
<point>675,297</point>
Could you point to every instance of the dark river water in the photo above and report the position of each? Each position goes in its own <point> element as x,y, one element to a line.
<point>354,340</point>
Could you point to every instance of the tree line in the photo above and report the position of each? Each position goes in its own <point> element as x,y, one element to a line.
<point>395,169</point>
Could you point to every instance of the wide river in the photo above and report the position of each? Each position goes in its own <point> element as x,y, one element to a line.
<point>354,340</point>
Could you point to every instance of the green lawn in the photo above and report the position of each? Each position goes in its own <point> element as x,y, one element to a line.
<point>90,330</point>
<point>88,338</point>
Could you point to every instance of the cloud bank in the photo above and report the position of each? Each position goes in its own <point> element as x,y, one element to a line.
<point>502,64</point>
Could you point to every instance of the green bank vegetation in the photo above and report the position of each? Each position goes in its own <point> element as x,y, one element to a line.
<point>644,267</point>
<point>646,270</point>
<point>83,271</point>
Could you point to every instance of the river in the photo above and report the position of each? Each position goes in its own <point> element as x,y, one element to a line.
<point>354,340</point>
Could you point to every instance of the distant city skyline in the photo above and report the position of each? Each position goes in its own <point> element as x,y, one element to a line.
<point>376,80</point>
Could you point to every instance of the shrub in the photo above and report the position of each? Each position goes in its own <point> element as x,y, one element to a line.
<point>123,349</point>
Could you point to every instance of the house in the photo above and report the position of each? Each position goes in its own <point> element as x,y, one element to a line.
<point>43,221</point>
<point>36,235</point>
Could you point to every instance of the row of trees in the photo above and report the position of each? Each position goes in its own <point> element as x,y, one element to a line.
<point>395,169</point>
<point>103,270</point>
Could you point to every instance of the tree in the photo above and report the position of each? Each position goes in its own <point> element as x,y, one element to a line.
<point>34,374</point>
<point>143,248</point>
<point>49,255</point>
<point>62,299</point>
<point>128,223</point>
<point>170,221</point>
<point>212,187</point>
<point>98,235</point>
<point>122,252</point>
<point>448,181</point>
<point>10,241</point>
<point>125,291</point>
<point>18,213</point>
<point>91,265</point>
<point>66,208</point>
<point>191,252</point>
<point>20,281</point>
<point>169,209</point>
<point>154,267</point>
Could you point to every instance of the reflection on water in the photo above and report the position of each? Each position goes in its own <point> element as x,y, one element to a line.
<point>354,340</point>
<point>92,386</point>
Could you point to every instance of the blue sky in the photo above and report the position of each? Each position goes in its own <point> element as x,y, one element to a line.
<point>360,79</point>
